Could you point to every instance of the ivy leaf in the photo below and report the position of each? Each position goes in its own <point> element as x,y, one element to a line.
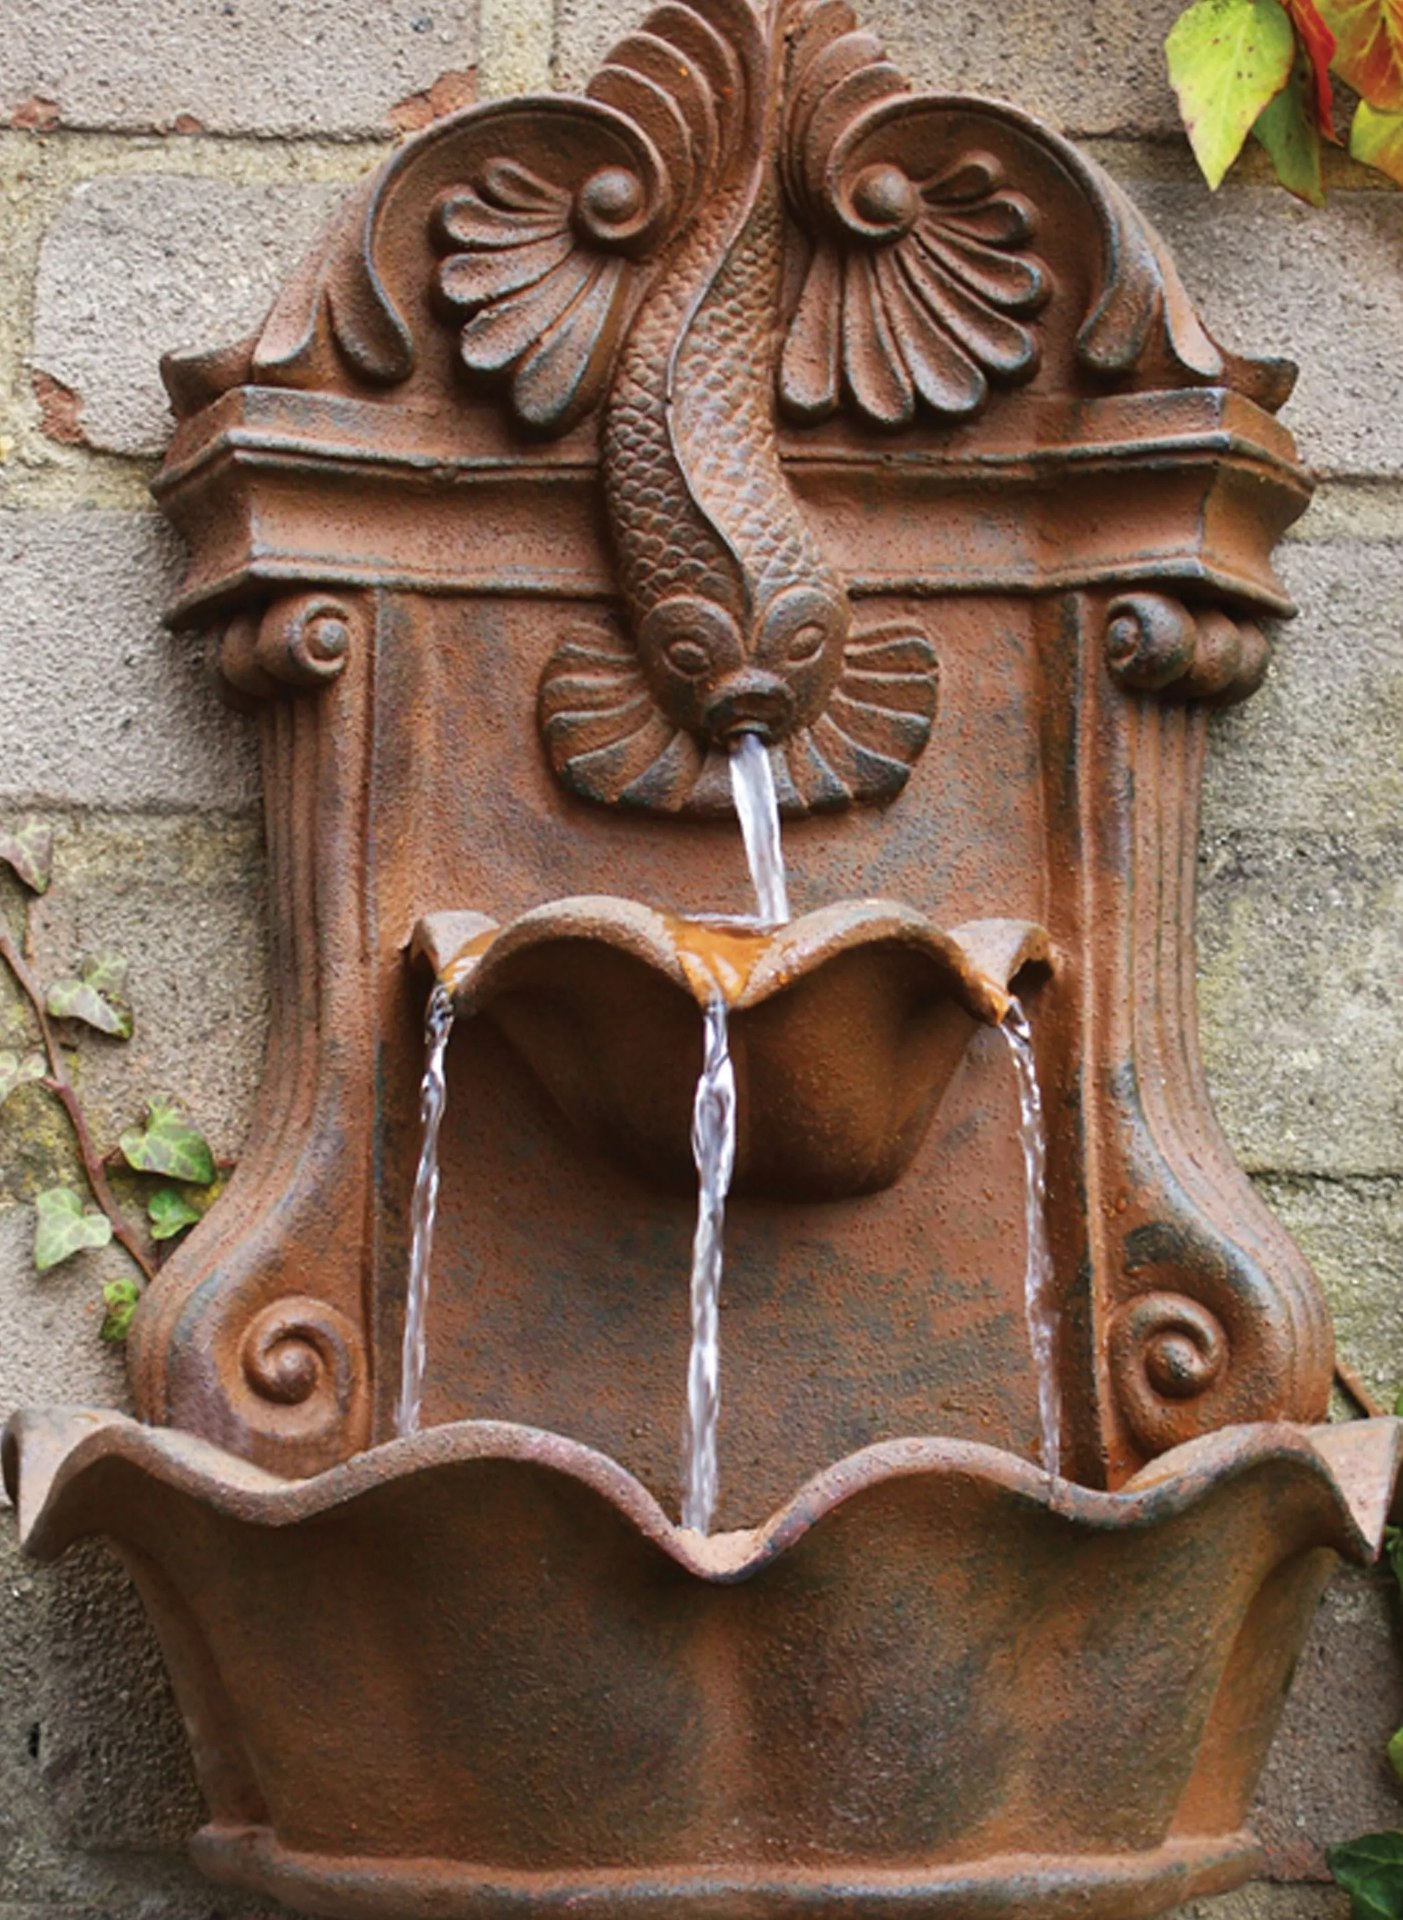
<point>95,996</point>
<point>29,850</point>
<point>1315,44</point>
<point>18,1069</point>
<point>121,1297</point>
<point>1370,1869</point>
<point>1395,1753</point>
<point>1369,48</point>
<point>169,1144</point>
<point>1377,139</point>
<point>170,1213</point>
<point>1286,128</point>
<point>1227,59</point>
<point>62,1227</point>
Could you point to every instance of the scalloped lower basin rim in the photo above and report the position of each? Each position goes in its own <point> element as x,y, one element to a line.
<point>1355,1465</point>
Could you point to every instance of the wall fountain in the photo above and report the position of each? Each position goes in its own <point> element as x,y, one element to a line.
<point>752,439</point>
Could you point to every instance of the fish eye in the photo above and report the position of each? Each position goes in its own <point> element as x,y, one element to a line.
<point>805,645</point>
<point>688,657</point>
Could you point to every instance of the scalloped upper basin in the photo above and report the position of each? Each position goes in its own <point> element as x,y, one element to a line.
<point>846,1026</point>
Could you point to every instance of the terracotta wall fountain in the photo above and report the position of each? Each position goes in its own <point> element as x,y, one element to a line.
<point>751,397</point>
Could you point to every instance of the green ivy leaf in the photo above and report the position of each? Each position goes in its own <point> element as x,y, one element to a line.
<point>121,1297</point>
<point>1370,1869</point>
<point>1227,59</point>
<point>62,1227</point>
<point>1376,138</point>
<point>95,997</point>
<point>1287,128</point>
<point>170,1213</point>
<point>169,1144</point>
<point>1395,1753</point>
<point>29,850</point>
<point>18,1070</point>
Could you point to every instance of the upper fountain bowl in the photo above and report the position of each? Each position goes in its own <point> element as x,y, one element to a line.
<point>846,1026</point>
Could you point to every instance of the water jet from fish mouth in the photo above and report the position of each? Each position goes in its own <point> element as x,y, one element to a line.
<point>753,791</point>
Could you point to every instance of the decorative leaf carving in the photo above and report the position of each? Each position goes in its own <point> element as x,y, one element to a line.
<point>544,273</point>
<point>609,741</point>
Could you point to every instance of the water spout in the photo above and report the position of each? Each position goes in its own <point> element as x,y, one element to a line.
<point>714,1149</point>
<point>753,790</point>
<point>438,1025</point>
<point>1039,1284</point>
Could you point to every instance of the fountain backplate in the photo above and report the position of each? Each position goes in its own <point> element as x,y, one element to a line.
<point>751,391</point>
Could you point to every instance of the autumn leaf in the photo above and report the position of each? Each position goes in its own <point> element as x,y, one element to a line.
<point>1227,59</point>
<point>1369,48</point>
<point>18,1070</point>
<point>1316,45</point>
<point>95,996</point>
<point>121,1297</point>
<point>62,1228</point>
<point>169,1144</point>
<point>170,1213</point>
<point>1286,128</point>
<point>1370,1869</point>
<point>29,850</point>
<point>1377,139</point>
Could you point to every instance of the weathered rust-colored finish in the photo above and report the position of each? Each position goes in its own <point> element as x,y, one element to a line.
<point>932,1682</point>
<point>752,393</point>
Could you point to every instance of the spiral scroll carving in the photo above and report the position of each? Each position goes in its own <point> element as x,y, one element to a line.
<point>302,642</point>
<point>1167,1352</point>
<point>304,1358</point>
<point>1155,644</point>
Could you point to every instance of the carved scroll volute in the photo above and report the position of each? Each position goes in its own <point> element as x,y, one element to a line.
<point>300,643</point>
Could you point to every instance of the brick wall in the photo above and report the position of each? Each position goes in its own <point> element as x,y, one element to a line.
<point>164,162</point>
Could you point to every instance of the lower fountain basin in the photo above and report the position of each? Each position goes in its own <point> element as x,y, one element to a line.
<point>846,1027</point>
<point>480,1673</point>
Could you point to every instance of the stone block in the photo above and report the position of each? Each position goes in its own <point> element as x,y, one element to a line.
<point>1352,1233</point>
<point>1301,903</point>
<point>1328,1777</point>
<point>237,66</point>
<point>1320,747</point>
<point>1265,1900</point>
<point>182,898</point>
<point>1301,999</point>
<point>135,266</point>
<point>105,707</point>
<point>1093,67</point>
<point>50,1353</point>
<point>1319,286</point>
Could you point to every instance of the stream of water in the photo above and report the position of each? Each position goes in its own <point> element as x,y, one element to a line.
<point>714,1150</point>
<point>753,791</point>
<point>438,1025</point>
<point>1039,1282</point>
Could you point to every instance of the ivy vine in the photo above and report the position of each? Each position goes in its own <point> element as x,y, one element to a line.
<point>167,1161</point>
<point>1263,67</point>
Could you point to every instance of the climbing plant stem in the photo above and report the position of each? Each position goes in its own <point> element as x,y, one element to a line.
<point>58,1083</point>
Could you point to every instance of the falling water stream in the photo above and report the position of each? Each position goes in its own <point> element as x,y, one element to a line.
<point>1038,1284</point>
<point>753,791</point>
<point>438,1025</point>
<point>714,1139</point>
<point>714,1150</point>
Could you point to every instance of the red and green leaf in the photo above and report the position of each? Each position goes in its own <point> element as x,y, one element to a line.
<point>1369,48</point>
<point>1228,59</point>
<point>1315,43</point>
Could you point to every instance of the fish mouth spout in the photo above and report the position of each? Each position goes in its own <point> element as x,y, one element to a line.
<point>751,701</point>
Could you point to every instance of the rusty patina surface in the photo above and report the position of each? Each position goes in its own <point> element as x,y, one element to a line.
<point>481,1672</point>
<point>752,393</point>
